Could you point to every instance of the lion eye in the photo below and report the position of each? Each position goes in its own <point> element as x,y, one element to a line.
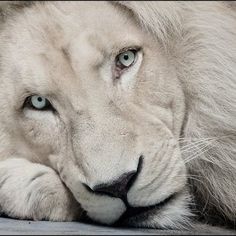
<point>38,103</point>
<point>126,59</point>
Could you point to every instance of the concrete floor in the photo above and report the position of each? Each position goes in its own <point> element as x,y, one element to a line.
<point>18,227</point>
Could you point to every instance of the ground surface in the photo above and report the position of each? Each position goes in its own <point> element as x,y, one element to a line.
<point>16,227</point>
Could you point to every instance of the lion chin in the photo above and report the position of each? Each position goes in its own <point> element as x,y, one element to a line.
<point>120,113</point>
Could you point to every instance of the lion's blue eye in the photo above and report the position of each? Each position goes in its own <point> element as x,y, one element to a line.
<point>126,59</point>
<point>38,103</point>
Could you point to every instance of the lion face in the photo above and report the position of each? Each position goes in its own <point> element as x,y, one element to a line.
<point>86,91</point>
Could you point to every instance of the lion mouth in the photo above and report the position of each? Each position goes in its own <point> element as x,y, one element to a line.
<point>141,212</point>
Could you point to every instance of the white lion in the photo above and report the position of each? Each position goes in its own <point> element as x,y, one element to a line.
<point>121,112</point>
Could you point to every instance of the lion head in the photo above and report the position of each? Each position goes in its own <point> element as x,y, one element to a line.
<point>88,91</point>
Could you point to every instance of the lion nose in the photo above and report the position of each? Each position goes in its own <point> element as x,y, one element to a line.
<point>117,188</point>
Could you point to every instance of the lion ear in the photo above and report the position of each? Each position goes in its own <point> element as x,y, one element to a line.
<point>162,18</point>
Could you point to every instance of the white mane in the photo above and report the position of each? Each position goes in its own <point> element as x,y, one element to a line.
<point>201,40</point>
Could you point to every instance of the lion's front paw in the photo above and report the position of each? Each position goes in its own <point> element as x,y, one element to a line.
<point>33,191</point>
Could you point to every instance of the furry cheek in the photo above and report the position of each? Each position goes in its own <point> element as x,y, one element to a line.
<point>40,129</point>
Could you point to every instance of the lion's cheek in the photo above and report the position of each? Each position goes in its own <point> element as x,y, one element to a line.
<point>42,138</point>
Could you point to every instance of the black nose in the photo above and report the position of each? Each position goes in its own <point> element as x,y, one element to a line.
<point>117,188</point>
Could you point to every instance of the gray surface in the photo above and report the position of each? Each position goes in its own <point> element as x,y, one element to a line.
<point>9,226</point>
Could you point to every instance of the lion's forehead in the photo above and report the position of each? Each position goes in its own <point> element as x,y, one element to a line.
<point>64,39</point>
<point>57,25</point>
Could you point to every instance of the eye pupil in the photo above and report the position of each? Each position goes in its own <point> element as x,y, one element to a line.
<point>126,57</point>
<point>40,99</point>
